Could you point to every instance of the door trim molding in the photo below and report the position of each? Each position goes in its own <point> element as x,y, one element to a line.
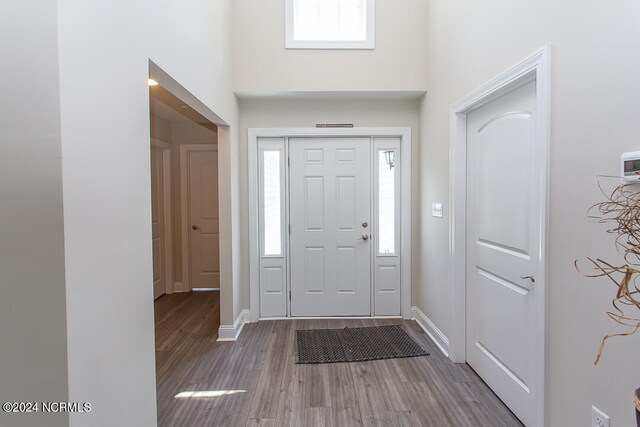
<point>185,149</point>
<point>167,211</point>
<point>534,68</point>
<point>404,133</point>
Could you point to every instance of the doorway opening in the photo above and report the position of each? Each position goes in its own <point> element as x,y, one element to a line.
<point>184,197</point>
<point>185,227</point>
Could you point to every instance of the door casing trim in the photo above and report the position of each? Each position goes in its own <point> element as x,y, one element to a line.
<point>404,133</point>
<point>533,68</point>
<point>167,211</point>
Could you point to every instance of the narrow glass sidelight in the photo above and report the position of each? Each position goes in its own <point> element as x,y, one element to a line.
<point>272,202</point>
<point>271,225</point>
<point>386,202</point>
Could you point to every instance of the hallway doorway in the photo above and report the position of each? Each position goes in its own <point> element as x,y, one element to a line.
<point>185,227</point>
<point>184,196</point>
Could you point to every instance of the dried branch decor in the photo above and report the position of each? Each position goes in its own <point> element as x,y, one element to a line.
<point>622,209</point>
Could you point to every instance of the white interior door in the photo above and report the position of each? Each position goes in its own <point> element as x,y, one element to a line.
<point>158,222</point>
<point>203,219</point>
<point>330,212</point>
<point>503,247</point>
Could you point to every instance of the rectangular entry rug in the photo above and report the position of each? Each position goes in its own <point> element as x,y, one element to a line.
<point>355,344</point>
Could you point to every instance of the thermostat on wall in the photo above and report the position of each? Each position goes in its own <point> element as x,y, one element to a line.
<point>630,166</point>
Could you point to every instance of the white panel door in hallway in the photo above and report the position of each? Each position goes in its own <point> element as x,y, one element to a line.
<point>204,220</point>
<point>503,247</point>
<point>158,222</point>
<point>330,217</point>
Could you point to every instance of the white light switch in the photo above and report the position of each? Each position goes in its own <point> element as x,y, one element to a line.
<point>436,210</point>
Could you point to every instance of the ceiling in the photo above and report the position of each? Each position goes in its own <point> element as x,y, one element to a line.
<point>166,106</point>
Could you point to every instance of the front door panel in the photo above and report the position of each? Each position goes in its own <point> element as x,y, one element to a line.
<point>330,199</point>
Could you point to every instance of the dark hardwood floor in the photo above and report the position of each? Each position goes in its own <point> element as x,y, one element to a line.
<point>255,381</point>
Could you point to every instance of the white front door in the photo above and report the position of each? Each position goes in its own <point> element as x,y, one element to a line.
<point>330,213</point>
<point>157,221</point>
<point>503,247</point>
<point>203,219</point>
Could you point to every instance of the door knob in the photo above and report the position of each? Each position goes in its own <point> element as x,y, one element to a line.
<point>365,237</point>
<point>195,227</point>
<point>533,279</point>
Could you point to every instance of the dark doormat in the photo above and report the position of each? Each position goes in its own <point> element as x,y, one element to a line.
<point>355,344</point>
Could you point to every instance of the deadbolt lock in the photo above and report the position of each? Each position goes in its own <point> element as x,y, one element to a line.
<point>365,224</point>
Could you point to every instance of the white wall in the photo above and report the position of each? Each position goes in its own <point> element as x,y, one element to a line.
<point>306,113</point>
<point>263,65</point>
<point>105,47</point>
<point>33,349</point>
<point>595,104</point>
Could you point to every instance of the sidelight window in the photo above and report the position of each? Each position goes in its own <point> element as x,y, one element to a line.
<point>387,188</point>
<point>272,201</point>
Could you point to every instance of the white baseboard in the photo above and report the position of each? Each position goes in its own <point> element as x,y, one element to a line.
<point>232,332</point>
<point>180,287</point>
<point>431,329</point>
<point>330,317</point>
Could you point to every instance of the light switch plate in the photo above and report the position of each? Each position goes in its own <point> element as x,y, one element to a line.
<point>436,210</point>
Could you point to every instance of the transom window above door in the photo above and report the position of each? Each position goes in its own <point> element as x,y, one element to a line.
<point>329,24</point>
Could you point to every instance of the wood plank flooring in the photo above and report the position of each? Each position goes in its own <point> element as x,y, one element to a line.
<point>255,381</point>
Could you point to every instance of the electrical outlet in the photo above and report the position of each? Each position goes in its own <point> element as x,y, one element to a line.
<point>598,418</point>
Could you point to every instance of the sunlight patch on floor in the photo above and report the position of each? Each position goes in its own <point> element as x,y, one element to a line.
<point>207,394</point>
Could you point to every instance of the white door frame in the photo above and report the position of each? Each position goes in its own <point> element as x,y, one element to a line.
<point>185,149</point>
<point>254,134</point>
<point>534,68</point>
<point>167,209</point>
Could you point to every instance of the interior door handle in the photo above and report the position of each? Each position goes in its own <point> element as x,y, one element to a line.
<point>364,237</point>
<point>533,279</point>
<point>195,227</point>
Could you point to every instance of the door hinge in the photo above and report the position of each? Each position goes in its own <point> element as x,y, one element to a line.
<point>289,161</point>
<point>289,228</point>
<point>289,295</point>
